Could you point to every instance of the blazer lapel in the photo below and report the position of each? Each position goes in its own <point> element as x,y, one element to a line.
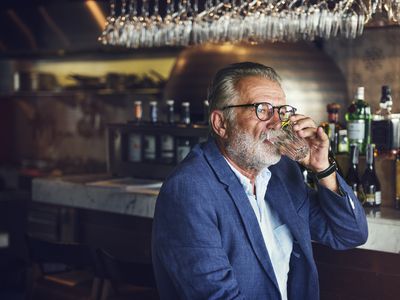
<point>239,197</point>
<point>252,227</point>
<point>280,200</point>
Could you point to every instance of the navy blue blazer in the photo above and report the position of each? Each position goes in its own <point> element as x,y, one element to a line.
<point>206,241</point>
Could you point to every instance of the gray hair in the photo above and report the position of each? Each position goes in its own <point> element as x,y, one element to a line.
<point>223,90</point>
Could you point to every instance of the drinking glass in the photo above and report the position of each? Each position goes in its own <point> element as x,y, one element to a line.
<point>288,142</point>
<point>183,22</point>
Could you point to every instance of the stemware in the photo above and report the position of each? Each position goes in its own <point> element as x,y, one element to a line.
<point>253,21</point>
<point>155,26</point>
<point>107,37</point>
<point>396,10</point>
<point>121,34</point>
<point>131,25</point>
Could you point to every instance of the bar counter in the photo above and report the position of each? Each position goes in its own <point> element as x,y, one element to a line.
<point>97,192</point>
<point>138,198</point>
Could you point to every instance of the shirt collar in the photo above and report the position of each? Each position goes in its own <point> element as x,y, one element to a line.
<point>262,177</point>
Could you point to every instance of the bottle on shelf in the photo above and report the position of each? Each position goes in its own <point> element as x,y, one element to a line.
<point>385,125</point>
<point>153,112</point>
<point>358,119</point>
<point>385,104</point>
<point>332,129</point>
<point>352,177</point>
<point>137,111</point>
<point>150,140</point>
<point>184,143</point>
<point>135,138</point>
<point>167,140</point>
<point>185,113</point>
<point>343,141</point>
<point>170,111</point>
<point>333,126</point>
<point>369,180</point>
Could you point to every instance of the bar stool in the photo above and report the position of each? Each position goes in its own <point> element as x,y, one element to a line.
<point>125,279</point>
<point>62,271</point>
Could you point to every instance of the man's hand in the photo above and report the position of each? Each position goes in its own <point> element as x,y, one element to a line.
<point>317,160</point>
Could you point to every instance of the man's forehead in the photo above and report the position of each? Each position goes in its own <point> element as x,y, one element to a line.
<point>273,97</point>
<point>259,88</point>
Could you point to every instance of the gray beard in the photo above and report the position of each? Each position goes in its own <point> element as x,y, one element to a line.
<point>250,153</point>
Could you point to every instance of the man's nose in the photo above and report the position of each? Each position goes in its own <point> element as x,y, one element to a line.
<point>275,121</point>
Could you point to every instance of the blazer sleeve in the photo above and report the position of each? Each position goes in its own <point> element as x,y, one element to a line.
<point>187,242</point>
<point>338,221</point>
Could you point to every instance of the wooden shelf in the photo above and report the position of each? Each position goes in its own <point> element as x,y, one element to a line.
<point>195,130</point>
<point>118,134</point>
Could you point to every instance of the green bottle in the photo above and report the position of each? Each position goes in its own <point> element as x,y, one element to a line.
<point>358,119</point>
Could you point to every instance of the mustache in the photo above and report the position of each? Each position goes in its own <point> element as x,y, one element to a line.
<point>271,135</point>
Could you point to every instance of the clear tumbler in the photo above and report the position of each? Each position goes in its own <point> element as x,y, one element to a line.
<point>288,143</point>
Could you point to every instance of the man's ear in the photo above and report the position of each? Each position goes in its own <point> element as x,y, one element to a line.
<point>218,123</point>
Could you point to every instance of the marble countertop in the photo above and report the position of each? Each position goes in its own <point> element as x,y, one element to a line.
<point>383,230</point>
<point>137,197</point>
<point>97,192</point>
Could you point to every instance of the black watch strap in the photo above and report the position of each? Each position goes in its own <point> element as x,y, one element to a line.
<point>328,171</point>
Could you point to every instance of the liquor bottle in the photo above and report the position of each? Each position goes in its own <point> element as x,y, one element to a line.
<point>167,140</point>
<point>332,129</point>
<point>352,177</point>
<point>397,182</point>
<point>137,111</point>
<point>370,182</point>
<point>170,111</point>
<point>153,112</point>
<point>183,144</point>
<point>386,103</point>
<point>150,140</point>
<point>333,126</point>
<point>358,119</point>
<point>335,130</point>
<point>383,125</point>
<point>135,138</point>
<point>343,141</point>
<point>185,113</point>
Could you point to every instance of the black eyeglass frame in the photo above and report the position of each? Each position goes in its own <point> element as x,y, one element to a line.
<point>263,103</point>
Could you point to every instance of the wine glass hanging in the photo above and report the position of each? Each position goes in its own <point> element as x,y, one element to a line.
<point>141,24</point>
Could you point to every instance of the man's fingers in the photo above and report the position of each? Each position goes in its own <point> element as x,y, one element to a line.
<point>302,122</point>
<point>321,134</point>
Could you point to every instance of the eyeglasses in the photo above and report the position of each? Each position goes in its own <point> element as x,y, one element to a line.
<point>265,110</point>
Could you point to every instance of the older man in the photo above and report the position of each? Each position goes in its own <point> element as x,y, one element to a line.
<point>235,219</point>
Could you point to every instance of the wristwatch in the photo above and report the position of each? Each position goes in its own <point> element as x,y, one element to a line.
<point>328,171</point>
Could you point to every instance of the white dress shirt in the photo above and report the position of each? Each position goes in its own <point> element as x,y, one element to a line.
<point>277,237</point>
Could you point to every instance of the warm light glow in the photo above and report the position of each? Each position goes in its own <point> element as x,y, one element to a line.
<point>226,47</point>
<point>22,26</point>
<point>62,69</point>
<point>96,12</point>
<point>180,64</point>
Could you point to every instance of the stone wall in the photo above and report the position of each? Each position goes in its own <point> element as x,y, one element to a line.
<point>371,60</point>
